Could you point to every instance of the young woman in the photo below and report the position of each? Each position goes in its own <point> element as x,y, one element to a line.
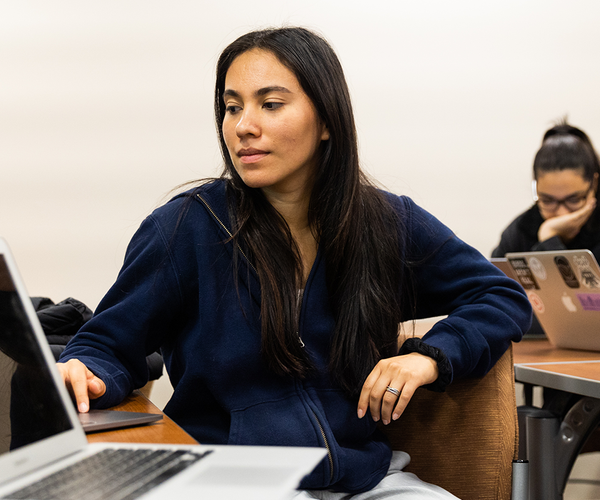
<point>276,291</point>
<point>565,214</point>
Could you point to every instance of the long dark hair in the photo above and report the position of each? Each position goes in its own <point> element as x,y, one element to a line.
<point>358,232</point>
<point>565,147</point>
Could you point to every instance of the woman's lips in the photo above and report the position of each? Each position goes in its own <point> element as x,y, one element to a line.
<point>251,155</point>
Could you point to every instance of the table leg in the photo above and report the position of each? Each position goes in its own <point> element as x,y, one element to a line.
<point>551,442</point>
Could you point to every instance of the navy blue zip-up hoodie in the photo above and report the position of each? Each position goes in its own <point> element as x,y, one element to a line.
<point>177,291</point>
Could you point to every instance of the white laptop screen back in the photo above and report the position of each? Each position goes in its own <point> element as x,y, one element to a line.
<point>32,408</point>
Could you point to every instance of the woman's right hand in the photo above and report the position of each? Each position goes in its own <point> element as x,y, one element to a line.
<point>81,382</point>
<point>567,226</point>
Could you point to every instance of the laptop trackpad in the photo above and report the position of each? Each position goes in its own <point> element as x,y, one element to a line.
<point>244,476</point>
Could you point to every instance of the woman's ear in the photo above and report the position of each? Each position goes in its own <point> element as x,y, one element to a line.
<point>325,134</point>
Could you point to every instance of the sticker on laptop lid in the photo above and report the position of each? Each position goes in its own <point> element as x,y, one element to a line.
<point>536,302</point>
<point>537,268</point>
<point>568,303</point>
<point>566,271</point>
<point>589,301</point>
<point>587,275</point>
<point>524,274</point>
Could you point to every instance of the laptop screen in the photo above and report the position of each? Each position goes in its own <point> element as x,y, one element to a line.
<point>30,405</point>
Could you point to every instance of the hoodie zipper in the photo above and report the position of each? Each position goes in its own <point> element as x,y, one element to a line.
<point>216,217</point>
<point>325,441</point>
<point>329,455</point>
<point>209,208</point>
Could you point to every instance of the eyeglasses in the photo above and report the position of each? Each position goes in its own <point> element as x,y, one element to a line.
<point>551,204</point>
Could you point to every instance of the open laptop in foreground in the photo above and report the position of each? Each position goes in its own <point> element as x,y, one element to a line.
<point>40,433</point>
<point>564,290</point>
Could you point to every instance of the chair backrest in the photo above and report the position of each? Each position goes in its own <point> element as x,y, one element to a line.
<point>466,438</point>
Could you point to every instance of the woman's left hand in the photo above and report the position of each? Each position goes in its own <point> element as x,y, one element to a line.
<point>405,373</point>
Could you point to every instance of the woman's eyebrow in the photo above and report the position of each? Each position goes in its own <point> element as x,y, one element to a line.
<point>259,93</point>
<point>575,193</point>
<point>230,93</point>
<point>273,88</point>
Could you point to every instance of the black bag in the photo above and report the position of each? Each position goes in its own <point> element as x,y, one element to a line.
<point>63,320</point>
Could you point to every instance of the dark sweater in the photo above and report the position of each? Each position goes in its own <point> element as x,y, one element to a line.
<point>522,236</point>
<point>177,290</point>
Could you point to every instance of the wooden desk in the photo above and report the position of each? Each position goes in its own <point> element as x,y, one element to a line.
<point>164,431</point>
<point>554,438</point>
<point>537,362</point>
<point>575,377</point>
<point>541,351</point>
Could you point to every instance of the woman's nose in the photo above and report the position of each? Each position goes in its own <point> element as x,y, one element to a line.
<point>562,210</point>
<point>248,123</point>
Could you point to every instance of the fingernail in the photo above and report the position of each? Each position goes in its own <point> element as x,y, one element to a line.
<point>83,407</point>
<point>361,414</point>
<point>385,422</point>
<point>375,419</point>
<point>395,416</point>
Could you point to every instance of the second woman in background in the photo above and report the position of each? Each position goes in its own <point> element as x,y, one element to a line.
<point>566,213</point>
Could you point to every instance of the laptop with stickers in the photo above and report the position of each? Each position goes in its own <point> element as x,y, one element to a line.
<point>44,452</point>
<point>564,290</point>
<point>504,266</point>
<point>535,330</point>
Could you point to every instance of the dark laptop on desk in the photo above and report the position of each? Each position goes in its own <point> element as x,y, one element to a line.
<point>564,290</point>
<point>103,420</point>
<point>40,434</point>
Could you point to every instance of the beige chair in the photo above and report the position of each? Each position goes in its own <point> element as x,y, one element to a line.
<point>464,439</point>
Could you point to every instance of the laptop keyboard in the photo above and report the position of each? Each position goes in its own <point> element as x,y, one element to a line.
<point>111,474</point>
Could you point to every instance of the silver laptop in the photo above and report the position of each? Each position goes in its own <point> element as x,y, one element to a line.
<point>535,330</point>
<point>564,290</point>
<point>40,434</point>
<point>504,266</point>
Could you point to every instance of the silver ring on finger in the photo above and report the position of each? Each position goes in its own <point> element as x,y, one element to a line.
<point>393,390</point>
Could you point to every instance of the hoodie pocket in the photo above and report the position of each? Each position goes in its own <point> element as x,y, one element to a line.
<point>284,422</point>
<point>340,412</point>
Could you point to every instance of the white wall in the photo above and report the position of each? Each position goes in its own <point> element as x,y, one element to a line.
<point>106,106</point>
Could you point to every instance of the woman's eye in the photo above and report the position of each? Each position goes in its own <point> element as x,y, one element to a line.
<point>232,109</point>
<point>272,105</point>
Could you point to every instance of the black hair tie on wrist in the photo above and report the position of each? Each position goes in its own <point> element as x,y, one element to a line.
<point>414,344</point>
